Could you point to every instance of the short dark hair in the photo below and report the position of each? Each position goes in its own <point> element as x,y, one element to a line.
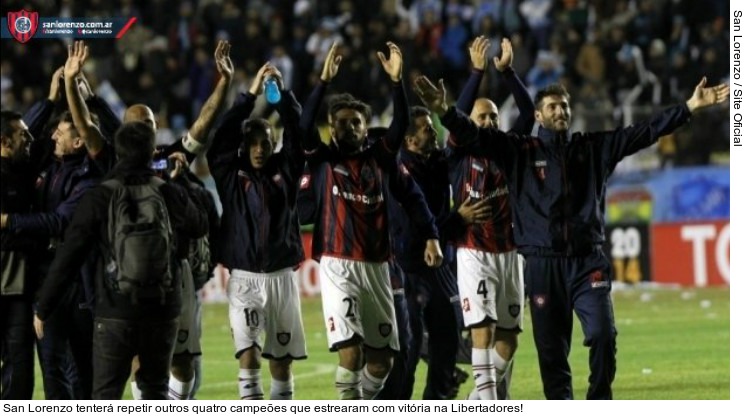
<point>66,116</point>
<point>253,127</point>
<point>416,112</point>
<point>550,90</point>
<point>347,101</point>
<point>7,116</point>
<point>135,143</point>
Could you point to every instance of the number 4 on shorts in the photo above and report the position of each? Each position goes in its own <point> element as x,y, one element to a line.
<point>482,289</point>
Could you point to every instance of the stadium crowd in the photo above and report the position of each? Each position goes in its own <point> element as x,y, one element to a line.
<point>103,224</point>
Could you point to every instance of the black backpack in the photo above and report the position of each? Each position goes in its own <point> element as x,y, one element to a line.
<point>141,239</point>
<point>200,261</point>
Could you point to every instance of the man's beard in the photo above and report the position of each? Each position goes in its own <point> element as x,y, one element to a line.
<point>348,143</point>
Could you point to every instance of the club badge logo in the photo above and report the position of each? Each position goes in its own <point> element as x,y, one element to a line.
<point>283,337</point>
<point>22,25</point>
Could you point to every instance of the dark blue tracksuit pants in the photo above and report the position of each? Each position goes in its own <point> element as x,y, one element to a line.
<point>399,383</point>
<point>557,286</point>
<point>433,305</point>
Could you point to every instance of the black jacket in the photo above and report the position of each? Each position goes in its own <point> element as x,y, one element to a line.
<point>88,230</point>
<point>557,183</point>
<point>260,230</point>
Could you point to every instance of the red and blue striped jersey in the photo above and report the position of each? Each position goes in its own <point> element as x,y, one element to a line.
<point>474,175</point>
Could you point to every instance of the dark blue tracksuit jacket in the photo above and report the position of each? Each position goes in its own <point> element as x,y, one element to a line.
<point>260,228</point>
<point>557,183</point>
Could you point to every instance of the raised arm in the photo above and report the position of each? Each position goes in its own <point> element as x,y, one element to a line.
<point>290,110</point>
<point>629,140</point>
<point>229,135</point>
<point>77,54</point>
<point>308,132</point>
<point>478,50</point>
<point>196,141</point>
<point>393,66</point>
<point>503,64</point>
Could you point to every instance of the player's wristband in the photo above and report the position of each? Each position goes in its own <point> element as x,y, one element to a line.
<point>192,145</point>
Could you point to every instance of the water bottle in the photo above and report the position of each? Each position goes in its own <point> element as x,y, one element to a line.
<point>273,95</point>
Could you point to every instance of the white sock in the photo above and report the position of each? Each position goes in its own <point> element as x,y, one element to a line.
<point>371,385</point>
<point>499,364</point>
<point>249,384</point>
<point>484,373</point>
<point>136,392</point>
<point>281,390</point>
<point>348,383</point>
<point>179,390</point>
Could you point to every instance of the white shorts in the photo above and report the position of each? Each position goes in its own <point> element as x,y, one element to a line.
<point>266,302</point>
<point>491,287</point>
<point>358,299</point>
<point>188,339</point>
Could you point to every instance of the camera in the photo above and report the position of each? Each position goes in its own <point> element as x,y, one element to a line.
<point>164,164</point>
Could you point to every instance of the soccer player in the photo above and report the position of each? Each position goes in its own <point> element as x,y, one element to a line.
<point>432,292</point>
<point>261,236</point>
<point>558,181</point>
<point>193,143</point>
<point>351,236</point>
<point>489,268</point>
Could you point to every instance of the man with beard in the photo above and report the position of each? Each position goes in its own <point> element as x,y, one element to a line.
<point>557,181</point>
<point>351,235</point>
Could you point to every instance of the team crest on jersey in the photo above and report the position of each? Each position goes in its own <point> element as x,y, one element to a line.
<point>539,300</point>
<point>22,25</point>
<point>596,279</point>
<point>385,329</point>
<point>277,178</point>
<point>283,337</point>
<point>305,181</point>
<point>514,310</point>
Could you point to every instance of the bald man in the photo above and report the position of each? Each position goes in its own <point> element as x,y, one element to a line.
<point>188,347</point>
<point>489,269</point>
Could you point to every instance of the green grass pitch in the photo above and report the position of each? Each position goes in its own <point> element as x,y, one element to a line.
<point>672,344</point>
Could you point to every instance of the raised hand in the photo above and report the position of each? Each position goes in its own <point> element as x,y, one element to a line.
<point>77,53</point>
<point>257,84</point>
<point>223,61</point>
<point>274,72</point>
<point>707,96</point>
<point>478,50</point>
<point>433,98</point>
<point>475,213</point>
<point>331,64</point>
<point>85,90</point>
<point>505,61</point>
<point>393,65</point>
<point>55,93</point>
